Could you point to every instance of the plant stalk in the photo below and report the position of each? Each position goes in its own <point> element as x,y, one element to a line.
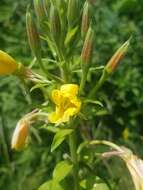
<point>73,152</point>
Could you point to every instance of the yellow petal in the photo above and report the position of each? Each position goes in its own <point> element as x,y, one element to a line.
<point>56,97</point>
<point>69,90</point>
<point>68,113</point>
<point>77,103</point>
<point>7,64</point>
<point>54,117</point>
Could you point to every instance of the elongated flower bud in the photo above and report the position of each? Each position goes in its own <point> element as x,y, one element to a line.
<point>20,135</point>
<point>85,18</point>
<point>73,12</point>
<point>87,47</point>
<point>117,57</point>
<point>33,36</point>
<point>39,9</point>
<point>7,64</point>
<point>55,25</point>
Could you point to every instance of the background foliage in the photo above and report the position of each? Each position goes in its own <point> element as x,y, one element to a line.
<point>115,22</point>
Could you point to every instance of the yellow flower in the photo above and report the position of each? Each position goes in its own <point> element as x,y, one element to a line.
<point>67,103</point>
<point>7,64</point>
<point>20,135</point>
<point>126,134</point>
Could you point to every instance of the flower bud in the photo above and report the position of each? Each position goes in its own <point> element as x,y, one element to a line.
<point>39,9</point>
<point>55,25</point>
<point>87,47</point>
<point>85,18</point>
<point>7,64</point>
<point>73,12</point>
<point>116,58</point>
<point>33,36</point>
<point>20,135</point>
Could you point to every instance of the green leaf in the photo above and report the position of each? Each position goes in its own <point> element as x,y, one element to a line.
<point>60,137</point>
<point>100,186</point>
<point>51,129</point>
<point>50,185</point>
<point>91,184</point>
<point>71,33</point>
<point>92,69</point>
<point>61,170</point>
<point>94,102</point>
<point>37,86</point>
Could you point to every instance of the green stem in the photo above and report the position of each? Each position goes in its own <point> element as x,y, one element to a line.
<point>83,80</point>
<point>99,84</point>
<point>73,151</point>
<point>4,143</point>
<point>41,64</point>
<point>49,75</point>
<point>65,72</point>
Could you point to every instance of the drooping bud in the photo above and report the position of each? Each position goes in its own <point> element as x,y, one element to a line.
<point>87,47</point>
<point>73,12</point>
<point>39,9</point>
<point>85,18</point>
<point>135,166</point>
<point>20,135</point>
<point>55,25</point>
<point>33,36</point>
<point>117,57</point>
<point>7,64</point>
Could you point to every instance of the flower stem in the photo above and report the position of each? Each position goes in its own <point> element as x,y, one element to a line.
<point>83,78</point>
<point>99,84</point>
<point>73,152</point>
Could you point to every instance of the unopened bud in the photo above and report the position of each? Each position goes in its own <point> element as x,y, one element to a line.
<point>117,57</point>
<point>55,25</point>
<point>20,135</point>
<point>85,18</point>
<point>39,9</point>
<point>73,12</point>
<point>87,47</point>
<point>7,64</point>
<point>33,36</point>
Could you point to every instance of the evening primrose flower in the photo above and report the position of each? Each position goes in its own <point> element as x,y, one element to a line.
<point>67,103</point>
<point>7,64</point>
<point>20,134</point>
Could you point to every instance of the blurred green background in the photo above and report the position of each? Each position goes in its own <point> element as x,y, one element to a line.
<point>120,121</point>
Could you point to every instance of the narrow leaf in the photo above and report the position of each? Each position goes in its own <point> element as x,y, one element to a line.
<point>59,138</point>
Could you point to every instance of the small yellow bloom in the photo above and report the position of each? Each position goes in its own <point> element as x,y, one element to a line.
<point>20,135</point>
<point>126,134</point>
<point>7,64</point>
<point>67,103</point>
